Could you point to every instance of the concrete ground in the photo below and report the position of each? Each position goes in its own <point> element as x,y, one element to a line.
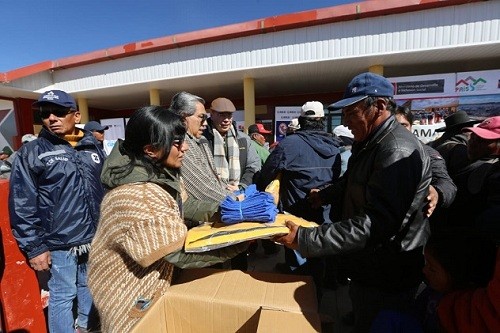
<point>335,303</point>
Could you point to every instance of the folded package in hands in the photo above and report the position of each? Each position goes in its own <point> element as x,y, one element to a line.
<point>255,206</point>
<point>217,235</point>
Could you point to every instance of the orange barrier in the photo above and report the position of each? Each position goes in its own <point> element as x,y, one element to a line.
<point>20,293</point>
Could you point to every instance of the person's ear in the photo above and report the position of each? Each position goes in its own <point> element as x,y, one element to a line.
<point>381,104</point>
<point>150,152</point>
<point>78,117</point>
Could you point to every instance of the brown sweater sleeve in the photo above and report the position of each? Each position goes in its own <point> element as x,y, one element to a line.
<point>156,228</point>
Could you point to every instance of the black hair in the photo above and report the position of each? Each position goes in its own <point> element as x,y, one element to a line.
<point>155,126</point>
<point>312,124</point>
<point>405,112</point>
<point>469,258</point>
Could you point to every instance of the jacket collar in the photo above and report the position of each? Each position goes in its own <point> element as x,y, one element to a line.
<point>377,135</point>
<point>56,140</point>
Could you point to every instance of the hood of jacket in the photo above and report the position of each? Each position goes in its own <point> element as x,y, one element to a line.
<point>322,143</point>
<point>113,174</point>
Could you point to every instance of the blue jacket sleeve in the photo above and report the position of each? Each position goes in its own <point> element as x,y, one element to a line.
<point>274,164</point>
<point>26,225</point>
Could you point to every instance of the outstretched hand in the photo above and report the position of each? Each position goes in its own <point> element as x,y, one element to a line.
<point>432,200</point>
<point>314,198</point>
<point>290,239</point>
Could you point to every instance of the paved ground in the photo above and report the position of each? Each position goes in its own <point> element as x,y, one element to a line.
<point>334,303</point>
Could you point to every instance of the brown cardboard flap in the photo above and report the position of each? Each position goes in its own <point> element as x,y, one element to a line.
<point>218,301</point>
<point>279,321</point>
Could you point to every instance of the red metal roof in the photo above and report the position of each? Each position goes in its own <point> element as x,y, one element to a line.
<point>346,12</point>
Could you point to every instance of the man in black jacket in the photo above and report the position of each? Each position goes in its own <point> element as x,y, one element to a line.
<point>382,228</point>
<point>442,190</point>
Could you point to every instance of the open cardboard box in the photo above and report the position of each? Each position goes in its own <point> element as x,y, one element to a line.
<point>219,301</point>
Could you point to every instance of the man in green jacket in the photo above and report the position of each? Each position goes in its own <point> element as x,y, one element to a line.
<point>257,132</point>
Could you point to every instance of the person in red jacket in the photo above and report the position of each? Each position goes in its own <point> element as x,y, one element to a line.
<point>462,268</point>
<point>476,310</point>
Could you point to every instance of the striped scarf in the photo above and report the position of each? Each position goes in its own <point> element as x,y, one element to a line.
<point>227,157</point>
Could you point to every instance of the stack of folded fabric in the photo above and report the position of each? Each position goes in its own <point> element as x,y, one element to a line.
<point>255,207</point>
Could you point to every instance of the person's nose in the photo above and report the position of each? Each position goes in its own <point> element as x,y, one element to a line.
<point>184,146</point>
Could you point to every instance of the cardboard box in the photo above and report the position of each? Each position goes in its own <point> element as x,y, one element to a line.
<point>219,301</point>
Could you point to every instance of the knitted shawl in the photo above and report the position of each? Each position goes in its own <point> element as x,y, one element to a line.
<point>199,174</point>
<point>140,223</point>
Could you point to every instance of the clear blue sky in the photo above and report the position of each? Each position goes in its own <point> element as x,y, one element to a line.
<point>37,30</point>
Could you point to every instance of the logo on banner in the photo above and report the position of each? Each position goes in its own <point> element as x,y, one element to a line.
<point>470,84</point>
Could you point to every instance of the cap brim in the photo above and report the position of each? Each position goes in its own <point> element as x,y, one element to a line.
<point>483,133</point>
<point>265,132</point>
<point>41,103</point>
<point>345,102</point>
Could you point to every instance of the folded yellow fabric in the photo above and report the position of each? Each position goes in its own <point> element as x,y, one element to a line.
<point>213,236</point>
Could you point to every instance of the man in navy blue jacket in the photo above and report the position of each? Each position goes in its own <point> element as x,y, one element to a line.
<point>306,160</point>
<point>55,194</point>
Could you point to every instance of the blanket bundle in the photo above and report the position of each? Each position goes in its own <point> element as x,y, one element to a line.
<point>249,205</point>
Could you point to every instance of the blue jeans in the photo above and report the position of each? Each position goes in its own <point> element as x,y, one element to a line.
<point>68,280</point>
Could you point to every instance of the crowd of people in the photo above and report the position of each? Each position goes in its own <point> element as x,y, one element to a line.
<point>412,228</point>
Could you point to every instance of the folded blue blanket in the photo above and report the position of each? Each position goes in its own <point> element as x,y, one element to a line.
<point>256,207</point>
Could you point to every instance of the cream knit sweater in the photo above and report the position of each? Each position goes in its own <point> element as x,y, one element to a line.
<point>140,223</point>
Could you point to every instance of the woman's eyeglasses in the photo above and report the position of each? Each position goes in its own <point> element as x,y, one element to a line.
<point>58,112</point>
<point>178,142</point>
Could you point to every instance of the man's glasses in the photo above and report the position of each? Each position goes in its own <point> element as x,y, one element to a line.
<point>225,115</point>
<point>203,117</point>
<point>58,112</point>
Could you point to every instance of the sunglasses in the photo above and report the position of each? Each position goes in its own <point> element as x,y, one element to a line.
<point>58,112</point>
<point>178,142</point>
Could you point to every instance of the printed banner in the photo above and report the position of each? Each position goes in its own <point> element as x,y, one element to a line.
<point>283,115</point>
<point>421,86</point>
<point>427,133</point>
<point>116,128</point>
<point>478,83</point>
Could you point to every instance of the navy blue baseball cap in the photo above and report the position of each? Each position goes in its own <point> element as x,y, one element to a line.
<point>94,126</point>
<point>57,97</point>
<point>362,86</point>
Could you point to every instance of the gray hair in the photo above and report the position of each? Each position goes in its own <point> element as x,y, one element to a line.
<point>184,103</point>
<point>391,105</point>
